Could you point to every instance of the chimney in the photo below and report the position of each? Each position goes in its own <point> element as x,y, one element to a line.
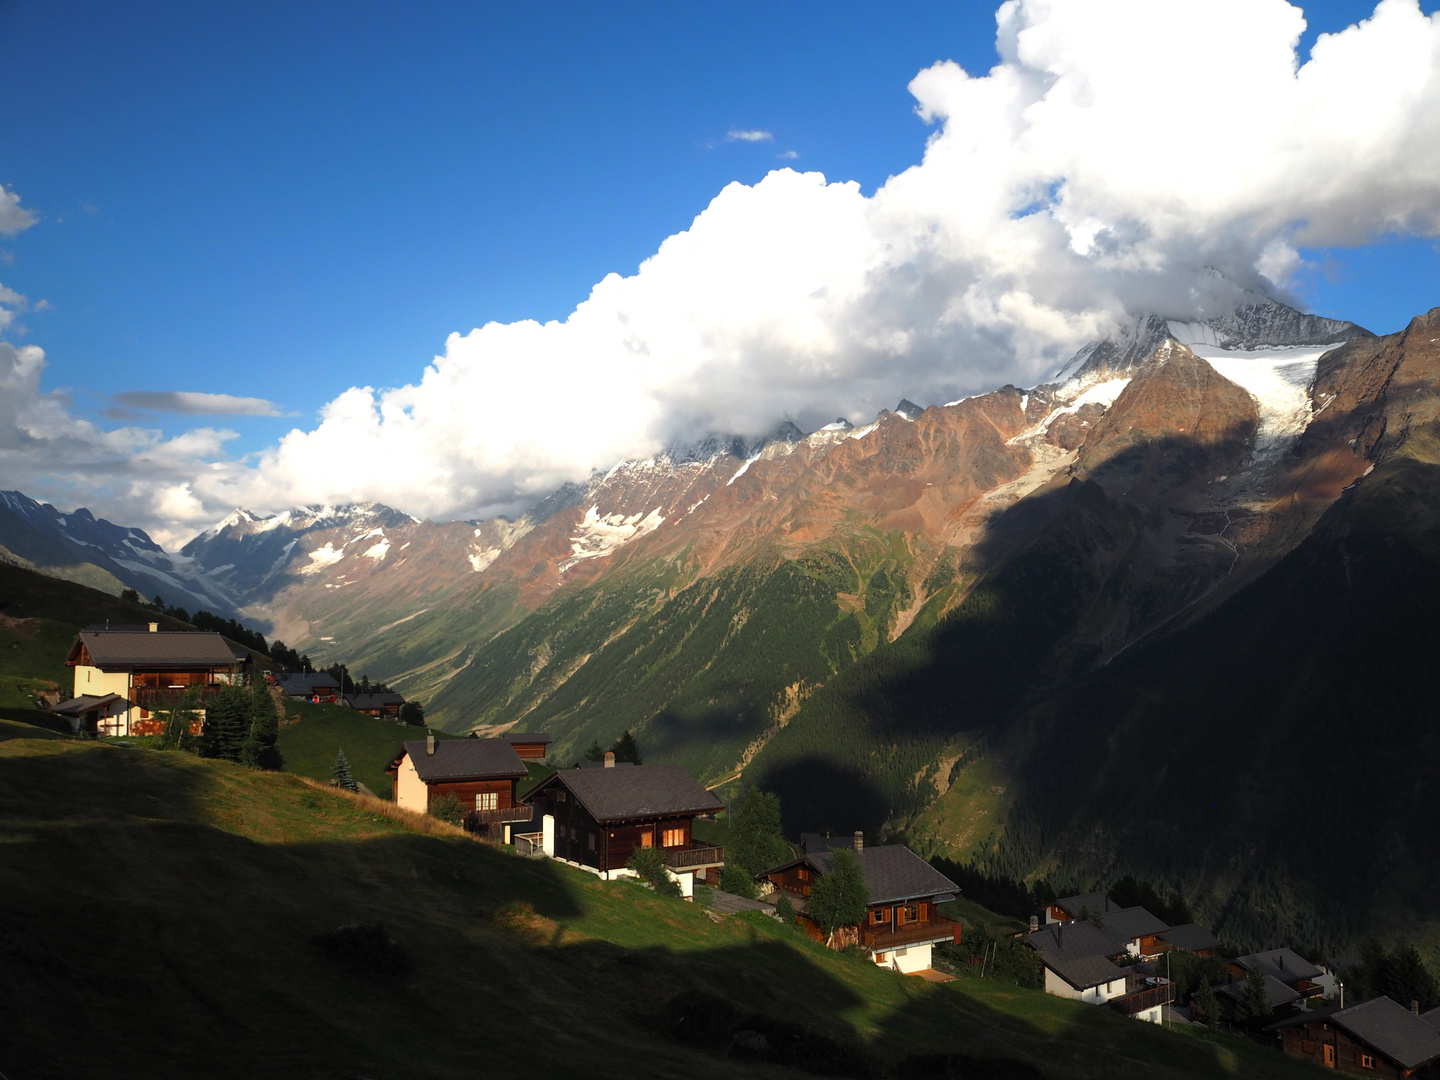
<point>1415,1006</point>
<point>1034,923</point>
<point>430,743</point>
<point>609,759</point>
<point>154,627</point>
<point>859,840</point>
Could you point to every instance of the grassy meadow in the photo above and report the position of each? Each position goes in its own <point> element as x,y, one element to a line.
<point>165,906</point>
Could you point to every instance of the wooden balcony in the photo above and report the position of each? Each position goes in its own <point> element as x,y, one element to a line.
<point>476,818</point>
<point>1133,1004</point>
<point>169,697</point>
<point>936,928</point>
<point>695,855</point>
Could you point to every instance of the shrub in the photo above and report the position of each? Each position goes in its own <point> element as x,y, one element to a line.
<point>737,881</point>
<point>839,899</point>
<point>785,909</point>
<point>649,865</point>
<point>364,949</point>
<point>448,809</point>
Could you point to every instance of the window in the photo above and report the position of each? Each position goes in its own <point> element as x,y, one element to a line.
<point>592,841</point>
<point>909,913</point>
<point>879,915</point>
<point>647,839</point>
<point>673,838</point>
<point>1367,1061</point>
<point>1307,1045</point>
<point>804,874</point>
<point>559,796</point>
<point>879,957</point>
<point>487,800</point>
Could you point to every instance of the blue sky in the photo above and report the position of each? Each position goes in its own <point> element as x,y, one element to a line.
<point>284,200</point>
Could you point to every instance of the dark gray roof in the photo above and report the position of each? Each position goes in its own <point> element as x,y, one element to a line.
<point>892,873</point>
<point>85,703</point>
<point>465,759</point>
<point>1191,937</point>
<point>1095,903</point>
<point>1284,964</point>
<point>1432,1017</point>
<point>640,791</point>
<point>1127,924</point>
<point>1276,992</point>
<point>814,841</point>
<point>302,683</point>
<point>527,737</point>
<point>373,701</point>
<point>1406,1039</point>
<point>1078,952</point>
<point>182,648</point>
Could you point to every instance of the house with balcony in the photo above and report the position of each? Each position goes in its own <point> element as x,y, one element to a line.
<point>530,745</point>
<point>124,675</point>
<point>902,921</point>
<point>482,774</point>
<point>316,687</point>
<point>385,705</point>
<point>1374,1038</point>
<point>1090,960</point>
<point>596,818</point>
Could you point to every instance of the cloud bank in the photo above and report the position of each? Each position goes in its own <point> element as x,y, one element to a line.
<point>1117,149</point>
<point>188,403</point>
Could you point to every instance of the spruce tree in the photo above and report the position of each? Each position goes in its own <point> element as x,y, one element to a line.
<point>784,908</point>
<point>627,749</point>
<point>259,750</point>
<point>1255,1000</point>
<point>595,752</point>
<point>412,713</point>
<point>1207,1002</point>
<point>342,775</point>
<point>755,843</point>
<point>227,724</point>
<point>839,898</point>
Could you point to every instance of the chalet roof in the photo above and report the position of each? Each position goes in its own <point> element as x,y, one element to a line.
<point>640,791</point>
<point>1393,1030</point>
<point>374,701</point>
<point>1078,952</point>
<point>465,759</point>
<point>298,684</point>
<point>1284,964</point>
<point>528,737</point>
<point>1127,924</point>
<point>1095,903</point>
<point>85,703</point>
<point>892,873</point>
<point>1276,992</point>
<point>814,841</point>
<point>1191,937</point>
<point>179,648</point>
<point>1432,1017</point>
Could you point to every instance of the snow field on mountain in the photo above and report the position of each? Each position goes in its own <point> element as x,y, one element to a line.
<point>1278,379</point>
<point>602,534</point>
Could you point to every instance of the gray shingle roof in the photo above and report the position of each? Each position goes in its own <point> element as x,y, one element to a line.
<point>892,873</point>
<point>1078,952</point>
<point>527,737</point>
<point>373,701</point>
<point>1284,964</point>
<point>640,791</point>
<point>1127,924</point>
<point>1191,937</point>
<point>85,703</point>
<point>1432,1017</point>
<point>1118,927</point>
<point>1397,1033</point>
<point>181,648</point>
<point>1095,903</point>
<point>465,759</point>
<point>1276,992</point>
<point>299,684</point>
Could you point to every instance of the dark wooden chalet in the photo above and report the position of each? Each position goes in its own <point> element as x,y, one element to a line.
<point>1375,1038</point>
<point>482,774</point>
<point>902,921</point>
<point>151,669</point>
<point>530,745</point>
<point>316,687</point>
<point>597,818</point>
<point>1284,966</point>
<point>385,705</point>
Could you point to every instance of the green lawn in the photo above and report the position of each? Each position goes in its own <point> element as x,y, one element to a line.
<point>370,743</point>
<point>170,903</point>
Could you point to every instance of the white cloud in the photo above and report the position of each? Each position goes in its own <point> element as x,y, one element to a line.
<point>14,218</point>
<point>738,135</point>
<point>787,155</point>
<point>188,403</point>
<point>1117,149</point>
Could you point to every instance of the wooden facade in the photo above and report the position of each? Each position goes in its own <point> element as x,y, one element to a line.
<point>608,845</point>
<point>1325,1044</point>
<point>530,751</point>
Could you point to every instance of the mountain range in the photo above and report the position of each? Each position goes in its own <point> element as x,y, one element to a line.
<point>1167,614</point>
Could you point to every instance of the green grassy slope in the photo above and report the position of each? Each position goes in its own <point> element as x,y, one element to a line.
<point>370,743</point>
<point>166,904</point>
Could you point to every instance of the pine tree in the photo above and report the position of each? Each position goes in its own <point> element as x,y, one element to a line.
<point>259,750</point>
<point>1207,1002</point>
<point>755,843</point>
<point>227,724</point>
<point>595,752</point>
<point>784,908</point>
<point>839,898</point>
<point>412,713</point>
<point>342,776</point>
<point>1407,979</point>
<point>627,749</point>
<point>1255,1000</point>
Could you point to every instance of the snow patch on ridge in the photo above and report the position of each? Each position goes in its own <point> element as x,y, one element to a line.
<point>603,534</point>
<point>320,558</point>
<point>1278,379</point>
<point>378,551</point>
<point>481,559</point>
<point>738,473</point>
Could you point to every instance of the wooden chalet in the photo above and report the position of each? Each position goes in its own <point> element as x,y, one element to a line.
<point>482,774</point>
<point>530,745</point>
<point>385,705</point>
<point>596,818</point>
<point>316,687</point>
<point>1083,960</point>
<point>1283,966</point>
<point>148,670</point>
<point>1191,938</point>
<point>902,922</point>
<point>1374,1038</point>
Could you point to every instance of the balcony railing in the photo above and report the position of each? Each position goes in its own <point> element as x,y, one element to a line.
<point>1138,1002</point>
<point>168,697</point>
<point>937,928</point>
<point>695,855</point>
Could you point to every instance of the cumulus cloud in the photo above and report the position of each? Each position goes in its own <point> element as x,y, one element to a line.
<point>738,135</point>
<point>14,218</point>
<point>1116,150</point>
<point>188,403</point>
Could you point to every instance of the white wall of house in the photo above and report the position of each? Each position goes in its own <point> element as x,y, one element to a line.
<point>97,683</point>
<point>411,793</point>
<point>910,959</point>
<point>1152,1016</point>
<point>1092,995</point>
<point>547,835</point>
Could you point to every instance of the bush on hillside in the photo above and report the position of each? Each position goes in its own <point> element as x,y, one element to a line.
<point>735,880</point>
<point>448,809</point>
<point>364,949</point>
<point>413,713</point>
<point>784,909</point>
<point>649,865</point>
<point>756,844</point>
<point>838,899</point>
